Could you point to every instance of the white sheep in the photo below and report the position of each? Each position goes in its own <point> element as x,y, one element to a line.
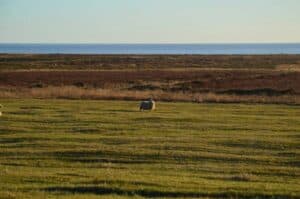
<point>147,105</point>
<point>0,108</point>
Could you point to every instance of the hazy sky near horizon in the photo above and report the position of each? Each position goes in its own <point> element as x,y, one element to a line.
<point>149,21</point>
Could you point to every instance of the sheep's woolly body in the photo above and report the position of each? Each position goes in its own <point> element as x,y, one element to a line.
<point>147,105</point>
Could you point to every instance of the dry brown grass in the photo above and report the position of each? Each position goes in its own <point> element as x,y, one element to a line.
<point>289,67</point>
<point>72,92</point>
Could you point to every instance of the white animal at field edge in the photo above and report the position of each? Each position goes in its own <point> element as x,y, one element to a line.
<point>147,105</point>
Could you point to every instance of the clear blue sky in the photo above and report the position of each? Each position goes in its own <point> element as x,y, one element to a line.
<point>149,21</point>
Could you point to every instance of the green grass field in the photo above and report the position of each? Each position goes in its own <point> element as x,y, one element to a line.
<point>108,149</point>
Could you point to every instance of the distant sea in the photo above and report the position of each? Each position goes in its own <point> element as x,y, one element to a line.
<point>205,49</point>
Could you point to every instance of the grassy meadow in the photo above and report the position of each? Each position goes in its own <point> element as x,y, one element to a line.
<point>108,149</point>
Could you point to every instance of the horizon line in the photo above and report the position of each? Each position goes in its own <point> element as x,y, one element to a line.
<point>137,43</point>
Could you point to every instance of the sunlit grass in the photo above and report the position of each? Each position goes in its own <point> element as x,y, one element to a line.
<point>108,149</point>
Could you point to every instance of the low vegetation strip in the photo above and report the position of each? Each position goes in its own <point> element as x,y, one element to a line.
<point>192,78</point>
<point>172,80</point>
<point>167,85</point>
<point>109,62</point>
<point>73,92</point>
<point>109,149</point>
